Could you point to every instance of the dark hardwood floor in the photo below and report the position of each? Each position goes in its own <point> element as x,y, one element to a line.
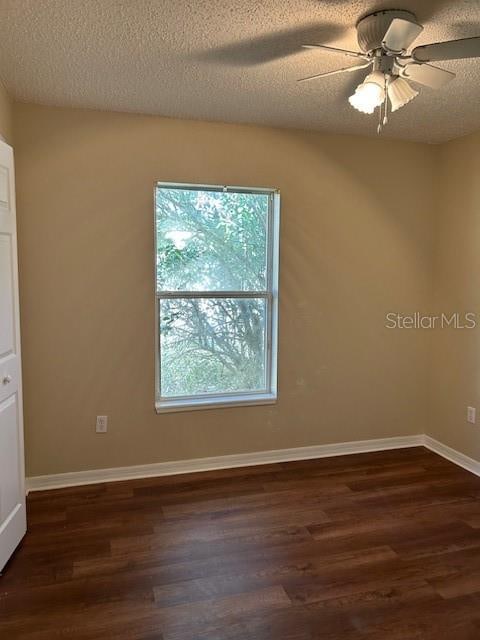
<point>377,546</point>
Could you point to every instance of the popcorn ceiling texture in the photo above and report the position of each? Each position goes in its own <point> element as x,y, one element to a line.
<point>226,60</point>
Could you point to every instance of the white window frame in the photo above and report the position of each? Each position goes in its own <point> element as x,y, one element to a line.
<point>270,294</point>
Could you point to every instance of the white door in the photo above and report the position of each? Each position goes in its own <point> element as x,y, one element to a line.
<point>12,482</point>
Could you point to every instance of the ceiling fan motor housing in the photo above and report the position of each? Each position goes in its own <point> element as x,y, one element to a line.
<point>371,29</point>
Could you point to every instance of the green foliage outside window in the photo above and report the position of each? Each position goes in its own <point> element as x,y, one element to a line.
<point>211,241</point>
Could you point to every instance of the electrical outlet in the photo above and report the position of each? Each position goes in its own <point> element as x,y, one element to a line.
<point>102,423</point>
<point>471,415</point>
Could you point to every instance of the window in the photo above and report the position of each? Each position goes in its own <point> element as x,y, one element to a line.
<point>216,295</point>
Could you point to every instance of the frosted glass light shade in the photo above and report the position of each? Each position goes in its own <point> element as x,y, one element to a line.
<point>369,94</point>
<point>400,93</point>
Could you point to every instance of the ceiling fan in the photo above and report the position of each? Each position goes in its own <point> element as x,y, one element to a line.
<point>384,38</point>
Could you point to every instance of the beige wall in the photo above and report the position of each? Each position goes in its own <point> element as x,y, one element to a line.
<point>455,381</point>
<point>355,244</point>
<point>6,129</point>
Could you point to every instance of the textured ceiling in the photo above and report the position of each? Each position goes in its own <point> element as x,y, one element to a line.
<point>228,60</point>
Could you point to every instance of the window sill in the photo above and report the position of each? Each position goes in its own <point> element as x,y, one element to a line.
<point>169,406</point>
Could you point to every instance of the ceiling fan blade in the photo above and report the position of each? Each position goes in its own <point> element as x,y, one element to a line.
<point>355,67</point>
<point>400,34</point>
<point>426,74</point>
<point>346,52</point>
<point>450,50</point>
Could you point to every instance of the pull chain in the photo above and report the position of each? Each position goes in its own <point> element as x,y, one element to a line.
<point>383,109</point>
<point>385,104</point>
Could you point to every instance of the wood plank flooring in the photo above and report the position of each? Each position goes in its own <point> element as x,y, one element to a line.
<point>377,546</point>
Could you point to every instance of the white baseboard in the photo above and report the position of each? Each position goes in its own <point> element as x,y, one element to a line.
<point>452,454</point>
<point>94,476</point>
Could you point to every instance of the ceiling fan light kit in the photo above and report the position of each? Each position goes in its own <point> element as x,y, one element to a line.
<point>384,38</point>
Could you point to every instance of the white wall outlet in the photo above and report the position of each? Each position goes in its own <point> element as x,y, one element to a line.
<point>102,423</point>
<point>471,415</point>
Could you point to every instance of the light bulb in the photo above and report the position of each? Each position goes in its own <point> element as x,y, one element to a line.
<point>400,93</point>
<point>369,94</point>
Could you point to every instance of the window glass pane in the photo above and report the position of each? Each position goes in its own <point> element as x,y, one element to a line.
<point>211,240</point>
<point>211,346</point>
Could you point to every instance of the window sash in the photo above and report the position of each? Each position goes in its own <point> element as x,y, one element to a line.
<point>261,396</point>
<point>189,295</point>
